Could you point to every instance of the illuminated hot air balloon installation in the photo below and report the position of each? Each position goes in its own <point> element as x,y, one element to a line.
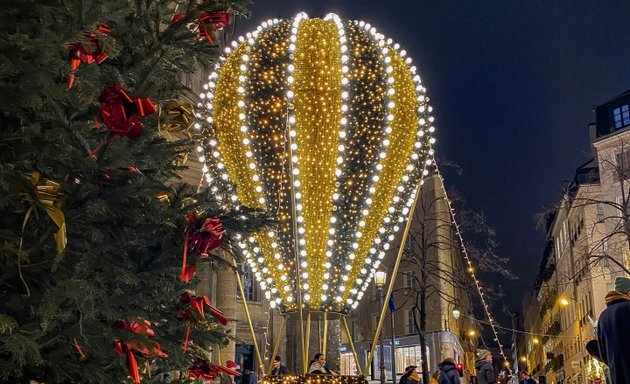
<point>324,122</point>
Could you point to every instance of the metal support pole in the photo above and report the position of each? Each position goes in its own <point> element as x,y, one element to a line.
<point>307,338</point>
<point>325,337</point>
<point>249,318</point>
<point>319,335</point>
<point>412,209</point>
<point>391,314</point>
<point>379,291</point>
<point>354,352</point>
<point>276,345</point>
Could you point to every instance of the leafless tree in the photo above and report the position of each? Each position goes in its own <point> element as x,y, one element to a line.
<point>607,239</point>
<point>433,233</point>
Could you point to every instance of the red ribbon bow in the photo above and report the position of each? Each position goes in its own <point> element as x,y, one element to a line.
<point>199,239</point>
<point>127,349</point>
<point>94,51</point>
<point>198,303</point>
<point>215,20</point>
<point>121,114</point>
<point>201,368</point>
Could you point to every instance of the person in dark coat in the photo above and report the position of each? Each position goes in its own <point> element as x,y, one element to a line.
<point>448,373</point>
<point>249,377</point>
<point>523,378</point>
<point>613,332</point>
<point>317,366</point>
<point>279,369</point>
<point>485,370</point>
<point>410,370</point>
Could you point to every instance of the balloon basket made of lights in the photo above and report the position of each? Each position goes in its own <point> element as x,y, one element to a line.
<point>314,379</point>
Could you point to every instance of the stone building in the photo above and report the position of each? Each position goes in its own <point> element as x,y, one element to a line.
<point>446,336</point>
<point>584,253</point>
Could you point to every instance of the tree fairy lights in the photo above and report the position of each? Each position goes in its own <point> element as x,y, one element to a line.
<point>325,123</point>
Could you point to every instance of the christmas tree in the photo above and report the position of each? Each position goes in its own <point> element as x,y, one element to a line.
<point>93,220</point>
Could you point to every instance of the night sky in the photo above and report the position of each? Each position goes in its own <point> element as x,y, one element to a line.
<point>513,84</point>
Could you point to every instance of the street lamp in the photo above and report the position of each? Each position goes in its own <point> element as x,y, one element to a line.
<point>379,280</point>
<point>456,313</point>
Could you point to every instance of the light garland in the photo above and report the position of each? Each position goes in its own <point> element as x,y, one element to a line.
<point>471,269</point>
<point>344,97</point>
<point>314,379</point>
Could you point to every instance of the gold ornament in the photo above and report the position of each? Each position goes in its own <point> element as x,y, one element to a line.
<point>177,117</point>
<point>181,158</point>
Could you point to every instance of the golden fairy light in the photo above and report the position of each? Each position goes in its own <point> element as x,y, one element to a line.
<point>325,123</point>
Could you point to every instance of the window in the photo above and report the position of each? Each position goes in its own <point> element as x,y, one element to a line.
<point>411,328</point>
<point>249,285</point>
<point>409,279</point>
<point>623,164</point>
<point>621,116</point>
<point>600,211</point>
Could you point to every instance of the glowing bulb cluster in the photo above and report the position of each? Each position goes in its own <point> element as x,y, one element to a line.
<point>309,119</point>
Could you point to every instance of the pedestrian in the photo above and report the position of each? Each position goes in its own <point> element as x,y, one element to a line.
<point>410,370</point>
<point>435,377</point>
<point>317,366</point>
<point>485,370</point>
<point>613,332</point>
<point>448,373</point>
<point>249,377</point>
<point>278,369</point>
<point>523,378</point>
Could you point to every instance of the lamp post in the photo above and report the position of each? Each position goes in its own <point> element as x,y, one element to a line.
<point>456,313</point>
<point>379,280</point>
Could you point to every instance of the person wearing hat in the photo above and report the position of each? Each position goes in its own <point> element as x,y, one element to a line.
<point>613,332</point>
<point>448,373</point>
<point>409,371</point>
<point>278,369</point>
<point>485,370</point>
<point>523,378</point>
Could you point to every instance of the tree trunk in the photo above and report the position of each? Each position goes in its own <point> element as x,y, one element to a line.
<point>423,339</point>
<point>421,329</point>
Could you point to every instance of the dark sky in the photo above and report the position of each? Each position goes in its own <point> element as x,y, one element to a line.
<point>513,84</point>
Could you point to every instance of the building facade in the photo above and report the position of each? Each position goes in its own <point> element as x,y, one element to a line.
<point>446,336</point>
<point>585,251</point>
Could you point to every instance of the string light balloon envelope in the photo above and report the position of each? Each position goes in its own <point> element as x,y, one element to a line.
<point>325,123</point>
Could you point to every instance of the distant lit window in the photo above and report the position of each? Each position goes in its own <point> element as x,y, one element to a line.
<point>249,284</point>
<point>621,116</point>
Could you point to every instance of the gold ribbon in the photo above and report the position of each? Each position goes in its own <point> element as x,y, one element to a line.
<point>180,158</point>
<point>164,198</point>
<point>178,117</point>
<point>48,194</point>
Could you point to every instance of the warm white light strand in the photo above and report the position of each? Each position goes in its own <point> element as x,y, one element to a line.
<point>471,268</point>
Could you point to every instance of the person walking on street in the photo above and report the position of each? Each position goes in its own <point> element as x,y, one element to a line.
<point>448,373</point>
<point>485,370</point>
<point>279,369</point>
<point>523,378</point>
<point>613,332</point>
<point>404,379</point>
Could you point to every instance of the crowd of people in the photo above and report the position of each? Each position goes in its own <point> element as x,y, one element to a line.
<point>611,346</point>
